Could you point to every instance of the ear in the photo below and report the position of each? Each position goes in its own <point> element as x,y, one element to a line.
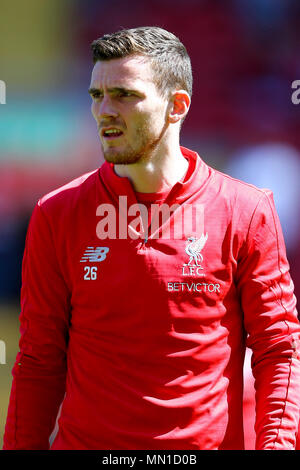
<point>179,106</point>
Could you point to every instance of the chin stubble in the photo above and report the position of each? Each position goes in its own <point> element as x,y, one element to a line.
<point>133,155</point>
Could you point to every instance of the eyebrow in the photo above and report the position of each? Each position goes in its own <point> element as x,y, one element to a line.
<point>111,90</point>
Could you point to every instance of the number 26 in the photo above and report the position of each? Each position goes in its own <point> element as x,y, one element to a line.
<point>90,273</point>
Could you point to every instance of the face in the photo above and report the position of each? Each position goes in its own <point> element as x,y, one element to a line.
<point>129,110</point>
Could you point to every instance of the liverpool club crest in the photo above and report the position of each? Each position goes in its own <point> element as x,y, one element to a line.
<point>193,250</point>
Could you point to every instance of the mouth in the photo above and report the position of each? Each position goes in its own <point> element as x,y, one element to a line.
<point>110,133</point>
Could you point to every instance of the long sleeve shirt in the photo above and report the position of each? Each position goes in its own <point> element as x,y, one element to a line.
<point>138,327</point>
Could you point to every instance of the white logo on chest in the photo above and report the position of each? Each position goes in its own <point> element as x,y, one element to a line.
<point>94,255</point>
<point>193,250</point>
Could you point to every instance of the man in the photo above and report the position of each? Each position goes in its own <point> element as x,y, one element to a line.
<point>144,280</point>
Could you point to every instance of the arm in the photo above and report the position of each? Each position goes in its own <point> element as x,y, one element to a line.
<point>39,372</point>
<point>270,319</point>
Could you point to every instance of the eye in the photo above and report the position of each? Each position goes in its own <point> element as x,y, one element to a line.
<point>125,94</point>
<point>96,95</point>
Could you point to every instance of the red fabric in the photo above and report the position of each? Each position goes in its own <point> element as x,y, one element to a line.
<point>153,357</point>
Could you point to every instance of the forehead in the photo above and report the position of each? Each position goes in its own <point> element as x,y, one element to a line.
<point>129,72</point>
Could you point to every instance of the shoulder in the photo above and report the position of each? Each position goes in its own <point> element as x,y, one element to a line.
<point>239,193</point>
<point>69,195</point>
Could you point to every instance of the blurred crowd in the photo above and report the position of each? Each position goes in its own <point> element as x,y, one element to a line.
<point>245,56</point>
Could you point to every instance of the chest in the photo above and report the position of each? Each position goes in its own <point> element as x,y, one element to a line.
<point>164,271</point>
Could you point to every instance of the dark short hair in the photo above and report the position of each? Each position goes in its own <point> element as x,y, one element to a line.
<point>169,58</point>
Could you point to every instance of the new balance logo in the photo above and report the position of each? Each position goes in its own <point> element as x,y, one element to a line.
<point>94,255</point>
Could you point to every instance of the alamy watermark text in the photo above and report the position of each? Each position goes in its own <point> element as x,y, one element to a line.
<point>2,352</point>
<point>296,93</point>
<point>2,92</point>
<point>167,222</point>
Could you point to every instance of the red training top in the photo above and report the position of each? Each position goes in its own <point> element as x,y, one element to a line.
<point>143,339</point>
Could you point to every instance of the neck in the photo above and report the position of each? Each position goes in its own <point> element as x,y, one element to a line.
<point>158,173</point>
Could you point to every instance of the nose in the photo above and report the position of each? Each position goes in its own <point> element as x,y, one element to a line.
<point>104,108</point>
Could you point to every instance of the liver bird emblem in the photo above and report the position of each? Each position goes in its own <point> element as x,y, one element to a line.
<point>194,247</point>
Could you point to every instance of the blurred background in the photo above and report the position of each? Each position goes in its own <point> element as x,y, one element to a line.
<point>245,56</point>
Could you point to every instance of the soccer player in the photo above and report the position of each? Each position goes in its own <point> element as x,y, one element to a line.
<point>143,282</point>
